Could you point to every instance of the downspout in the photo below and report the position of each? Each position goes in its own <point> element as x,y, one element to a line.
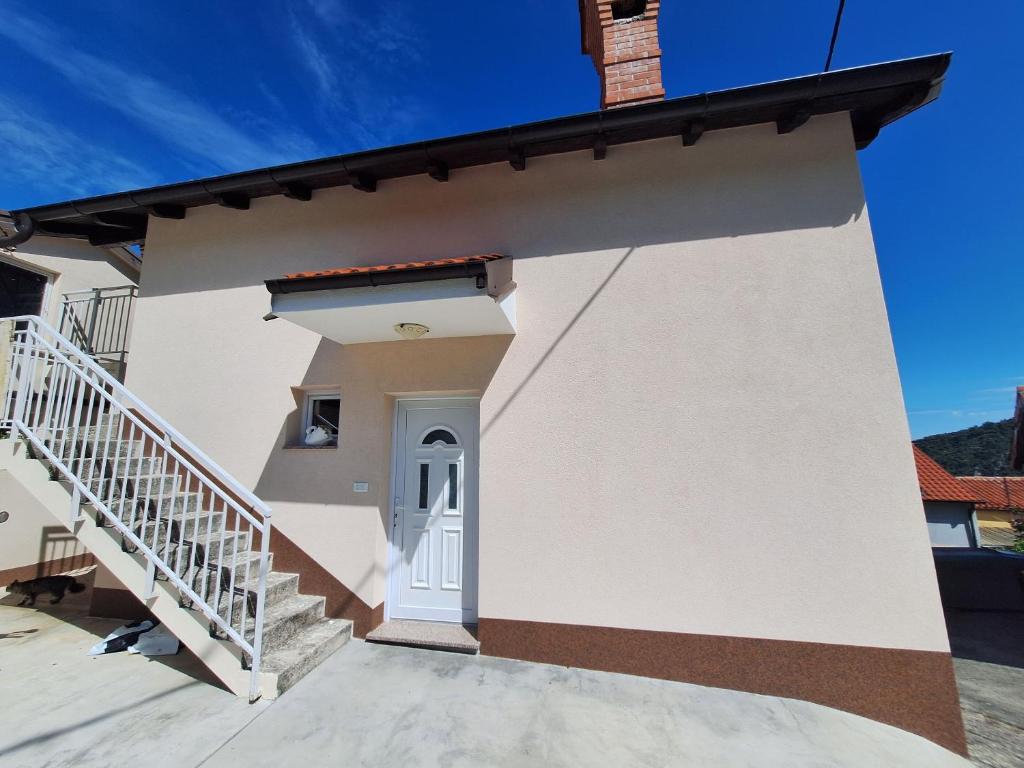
<point>24,228</point>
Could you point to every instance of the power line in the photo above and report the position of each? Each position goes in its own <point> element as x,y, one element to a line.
<point>835,35</point>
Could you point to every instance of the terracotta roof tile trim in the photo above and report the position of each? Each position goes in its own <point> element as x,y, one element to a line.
<point>401,267</point>
<point>997,492</point>
<point>937,484</point>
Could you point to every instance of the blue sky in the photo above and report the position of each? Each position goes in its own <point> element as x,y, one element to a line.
<point>113,94</point>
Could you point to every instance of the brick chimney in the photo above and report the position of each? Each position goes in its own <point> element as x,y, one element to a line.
<point>621,37</point>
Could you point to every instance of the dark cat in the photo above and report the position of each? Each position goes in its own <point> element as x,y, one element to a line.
<point>55,585</point>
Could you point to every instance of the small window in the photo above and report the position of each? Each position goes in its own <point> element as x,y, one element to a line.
<point>322,420</point>
<point>442,435</point>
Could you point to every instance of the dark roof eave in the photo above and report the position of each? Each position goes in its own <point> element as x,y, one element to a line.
<point>875,96</point>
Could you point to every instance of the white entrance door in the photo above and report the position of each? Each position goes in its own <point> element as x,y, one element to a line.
<point>434,536</point>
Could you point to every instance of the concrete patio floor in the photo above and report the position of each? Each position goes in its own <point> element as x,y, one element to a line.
<point>376,705</point>
<point>988,654</point>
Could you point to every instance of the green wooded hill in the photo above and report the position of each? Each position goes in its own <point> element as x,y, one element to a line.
<point>984,449</point>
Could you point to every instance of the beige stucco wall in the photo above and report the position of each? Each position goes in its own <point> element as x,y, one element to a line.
<point>31,534</point>
<point>698,427</point>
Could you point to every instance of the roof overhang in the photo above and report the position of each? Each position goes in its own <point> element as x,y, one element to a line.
<point>470,296</point>
<point>874,96</point>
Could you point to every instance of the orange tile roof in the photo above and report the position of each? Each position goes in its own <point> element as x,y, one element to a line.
<point>997,492</point>
<point>936,483</point>
<point>401,267</point>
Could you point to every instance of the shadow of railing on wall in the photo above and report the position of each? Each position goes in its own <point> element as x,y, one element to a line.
<point>60,551</point>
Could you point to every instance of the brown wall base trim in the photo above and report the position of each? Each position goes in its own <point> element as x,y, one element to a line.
<point>49,568</point>
<point>112,603</point>
<point>912,690</point>
<point>314,579</point>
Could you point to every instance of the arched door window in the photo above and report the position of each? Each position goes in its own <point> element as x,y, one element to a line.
<point>439,435</point>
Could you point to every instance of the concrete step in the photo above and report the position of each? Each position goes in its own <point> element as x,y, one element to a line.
<point>159,538</point>
<point>242,561</point>
<point>169,504</point>
<point>93,433</point>
<point>103,426</point>
<point>285,619</point>
<point>132,464</point>
<point>148,486</point>
<point>306,650</point>
<point>120,449</point>
<point>280,586</point>
<point>87,428</point>
<point>202,527</point>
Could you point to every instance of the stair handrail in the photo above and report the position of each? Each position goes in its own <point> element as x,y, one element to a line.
<point>185,454</point>
<point>150,415</point>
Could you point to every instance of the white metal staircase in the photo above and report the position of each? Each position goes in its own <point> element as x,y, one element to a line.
<point>170,524</point>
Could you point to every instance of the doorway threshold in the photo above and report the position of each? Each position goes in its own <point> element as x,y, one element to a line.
<point>438,636</point>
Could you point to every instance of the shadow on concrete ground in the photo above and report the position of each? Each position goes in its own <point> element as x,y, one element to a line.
<point>988,654</point>
<point>74,609</point>
<point>375,705</point>
<point>66,709</point>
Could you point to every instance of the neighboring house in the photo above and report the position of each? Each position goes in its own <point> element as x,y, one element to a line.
<point>545,366</point>
<point>84,290</point>
<point>948,505</point>
<point>1017,445</point>
<point>60,280</point>
<point>1001,500</point>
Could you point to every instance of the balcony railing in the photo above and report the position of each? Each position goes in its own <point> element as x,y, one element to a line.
<point>98,321</point>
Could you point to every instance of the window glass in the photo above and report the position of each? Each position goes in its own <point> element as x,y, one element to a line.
<point>453,486</point>
<point>440,434</point>
<point>326,413</point>
<point>322,420</point>
<point>21,291</point>
<point>424,483</point>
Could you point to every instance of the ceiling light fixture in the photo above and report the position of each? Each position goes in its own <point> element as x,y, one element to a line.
<point>411,331</point>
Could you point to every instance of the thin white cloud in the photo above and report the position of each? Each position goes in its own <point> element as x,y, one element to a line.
<point>348,54</point>
<point>332,12</point>
<point>372,29</point>
<point>996,391</point>
<point>38,152</point>
<point>314,58</point>
<point>394,32</point>
<point>1003,413</point>
<point>178,119</point>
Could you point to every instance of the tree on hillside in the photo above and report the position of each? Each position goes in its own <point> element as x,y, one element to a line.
<point>981,450</point>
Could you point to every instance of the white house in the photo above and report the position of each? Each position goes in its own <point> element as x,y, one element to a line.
<point>550,363</point>
<point>949,505</point>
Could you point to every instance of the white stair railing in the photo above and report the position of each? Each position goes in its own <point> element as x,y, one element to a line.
<point>194,524</point>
